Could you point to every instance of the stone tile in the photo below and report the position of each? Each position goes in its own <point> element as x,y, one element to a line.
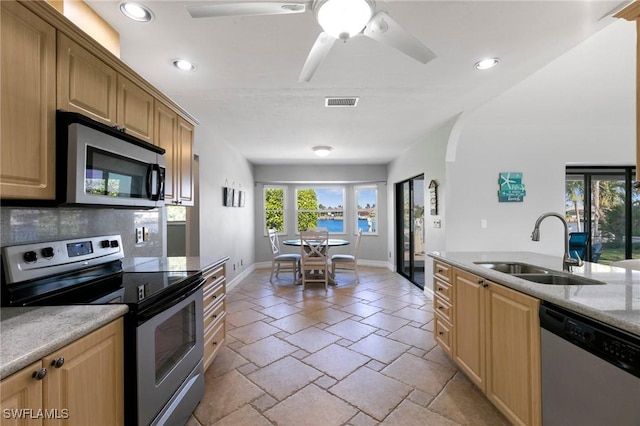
<point>368,295</point>
<point>247,368</point>
<point>412,314</point>
<point>312,339</point>
<point>414,299</point>
<point>192,422</point>
<point>419,373</point>
<point>439,356</point>
<point>413,336</point>
<point>417,352</point>
<point>238,305</point>
<point>385,321</point>
<point>299,354</point>
<point>351,330</point>
<point>409,413</point>
<point>383,333</point>
<point>225,361</point>
<point>267,350</point>
<point>245,416</point>
<point>345,342</point>
<point>463,402</point>
<point>342,299</point>
<point>284,377</point>
<point>265,302</point>
<point>375,365</point>
<point>373,393</point>
<point>328,315</point>
<point>379,348</point>
<point>311,404</point>
<point>389,303</point>
<point>253,332</point>
<point>215,405</point>
<point>420,398</point>
<point>280,311</point>
<point>336,361</point>
<point>325,382</point>
<point>294,323</point>
<point>361,309</point>
<point>313,304</point>
<point>265,402</point>
<point>247,316</point>
<point>361,419</point>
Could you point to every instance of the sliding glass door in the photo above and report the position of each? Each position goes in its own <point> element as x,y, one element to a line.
<point>410,210</point>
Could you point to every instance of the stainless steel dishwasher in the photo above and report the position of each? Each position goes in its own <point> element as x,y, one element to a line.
<point>590,371</point>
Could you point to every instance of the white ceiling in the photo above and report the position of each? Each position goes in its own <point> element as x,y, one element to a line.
<point>246,91</point>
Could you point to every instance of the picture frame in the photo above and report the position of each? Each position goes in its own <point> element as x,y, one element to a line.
<point>236,198</point>
<point>242,197</point>
<point>227,196</point>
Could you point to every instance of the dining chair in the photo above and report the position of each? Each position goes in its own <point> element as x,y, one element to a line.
<point>291,261</point>
<point>347,261</point>
<point>313,257</point>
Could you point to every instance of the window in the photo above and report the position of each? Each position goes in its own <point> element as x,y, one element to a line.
<point>366,209</point>
<point>176,214</point>
<point>320,208</point>
<point>274,208</point>
<point>602,202</point>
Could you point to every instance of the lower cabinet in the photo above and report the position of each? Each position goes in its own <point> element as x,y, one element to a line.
<point>79,384</point>
<point>214,312</point>
<point>494,337</point>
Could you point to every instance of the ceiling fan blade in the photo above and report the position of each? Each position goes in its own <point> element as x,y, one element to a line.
<point>318,52</point>
<point>245,9</point>
<point>384,29</point>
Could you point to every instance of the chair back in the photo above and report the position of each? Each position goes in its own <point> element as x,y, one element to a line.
<point>356,249</point>
<point>578,244</point>
<point>275,243</point>
<point>314,246</point>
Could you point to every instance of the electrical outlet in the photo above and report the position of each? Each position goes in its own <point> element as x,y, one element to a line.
<point>483,223</point>
<point>437,223</point>
<point>234,266</point>
<point>145,233</point>
<point>139,235</point>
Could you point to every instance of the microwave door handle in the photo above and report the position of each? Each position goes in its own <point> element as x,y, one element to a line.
<point>153,176</point>
<point>160,184</point>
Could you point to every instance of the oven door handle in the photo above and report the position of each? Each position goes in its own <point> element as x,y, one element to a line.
<point>144,316</point>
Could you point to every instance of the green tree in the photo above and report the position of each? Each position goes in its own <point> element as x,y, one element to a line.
<point>575,197</point>
<point>274,208</point>
<point>307,200</point>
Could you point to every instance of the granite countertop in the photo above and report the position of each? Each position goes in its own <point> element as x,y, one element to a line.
<point>162,264</point>
<point>29,334</point>
<point>616,303</point>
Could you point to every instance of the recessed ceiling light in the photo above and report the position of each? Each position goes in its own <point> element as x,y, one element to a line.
<point>485,64</point>
<point>136,11</point>
<point>183,64</point>
<point>322,151</point>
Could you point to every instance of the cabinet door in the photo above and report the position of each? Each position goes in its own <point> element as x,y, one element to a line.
<point>166,122</point>
<point>135,110</point>
<point>28,96</point>
<point>185,182</point>
<point>469,320</point>
<point>89,384</point>
<point>21,391</point>
<point>513,354</point>
<point>85,83</point>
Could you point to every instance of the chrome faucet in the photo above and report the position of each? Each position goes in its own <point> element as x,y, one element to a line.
<point>567,261</point>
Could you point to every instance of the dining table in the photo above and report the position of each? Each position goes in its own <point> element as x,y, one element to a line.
<point>331,242</point>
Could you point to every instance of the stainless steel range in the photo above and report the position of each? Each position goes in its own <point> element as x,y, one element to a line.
<point>163,347</point>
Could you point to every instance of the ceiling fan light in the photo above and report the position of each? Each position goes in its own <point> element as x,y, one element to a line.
<point>485,64</point>
<point>136,11</point>
<point>322,150</point>
<point>343,19</point>
<point>183,64</point>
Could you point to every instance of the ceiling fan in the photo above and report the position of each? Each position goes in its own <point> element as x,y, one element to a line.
<point>340,20</point>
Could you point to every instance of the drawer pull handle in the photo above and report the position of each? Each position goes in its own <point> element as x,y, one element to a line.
<point>39,375</point>
<point>441,307</point>
<point>440,289</point>
<point>440,271</point>
<point>440,333</point>
<point>214,296</point>
<point>215,343</point>
<point>58,362</point>
<point>214,316</point>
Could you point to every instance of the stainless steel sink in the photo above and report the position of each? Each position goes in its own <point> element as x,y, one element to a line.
<point>558,279</point>
<point>514,267</point>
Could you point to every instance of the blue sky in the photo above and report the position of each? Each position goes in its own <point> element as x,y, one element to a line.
<point>333,197</point>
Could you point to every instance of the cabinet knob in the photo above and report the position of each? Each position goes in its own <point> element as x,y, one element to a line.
<point>214,316</point>
<point>440,271</point>
<point>39,375</point>
<point>482,283</point>
<point>58,362</point>
<point>441,307</point>
<point>214,296</point>
<point>440,333</point>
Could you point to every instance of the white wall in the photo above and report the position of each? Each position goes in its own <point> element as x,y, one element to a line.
<point>224,231</point>
<point>577,110</point>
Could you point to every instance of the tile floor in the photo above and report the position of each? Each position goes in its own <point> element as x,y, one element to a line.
<point>361,354</point>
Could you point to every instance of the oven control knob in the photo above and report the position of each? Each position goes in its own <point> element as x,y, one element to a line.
<point>30,256</point>
<point>47,252</point>
<point>104,243</point>
<point>114,243</point>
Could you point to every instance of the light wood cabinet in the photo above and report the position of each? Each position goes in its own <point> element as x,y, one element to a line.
<point>27,96</point>
<point>85,388</point>
<point>494,337</point>
<point>89,86</point>
<point>214,312</point>
<point>175,135</point>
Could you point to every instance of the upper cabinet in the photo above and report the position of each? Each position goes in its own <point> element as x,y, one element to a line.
<point>28,102</point>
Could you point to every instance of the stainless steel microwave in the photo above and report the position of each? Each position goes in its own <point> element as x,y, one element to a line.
<point>103,166</point>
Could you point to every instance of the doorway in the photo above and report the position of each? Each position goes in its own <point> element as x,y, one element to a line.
<point>410,247</point>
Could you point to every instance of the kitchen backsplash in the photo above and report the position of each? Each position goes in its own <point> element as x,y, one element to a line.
<point>26,225</point>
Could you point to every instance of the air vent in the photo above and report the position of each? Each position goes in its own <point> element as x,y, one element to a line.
<point>341,102</point>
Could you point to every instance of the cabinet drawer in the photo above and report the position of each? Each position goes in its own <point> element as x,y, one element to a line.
<point>442,270</point>
<point>442,289</point>
<point>213,274</point>
<point>443,333</point>
<point>443,308</point>
<point>214,314</point>
<point>213,294</point>
<point>213,341</point>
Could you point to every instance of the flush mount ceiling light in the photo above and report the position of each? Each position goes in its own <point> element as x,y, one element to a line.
<point>485,64</point>
<point>322,151</point>
<point>343,19</point>
<point>183,64</point>
<point>136,11</point>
